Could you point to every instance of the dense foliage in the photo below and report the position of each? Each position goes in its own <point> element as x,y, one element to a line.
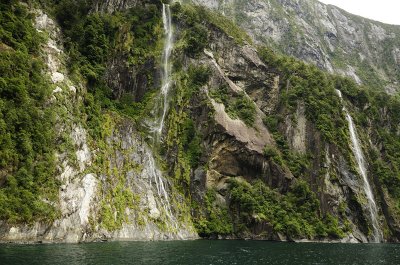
<point>216,219</point>
<point>316,89</point>
<point>381,113</point>
<point>237,105</point>
<point>183,138</point>
<point>297,163</point>
<point>92,39</point>
<point>195,21</point>
<point>370,109</point>
<point>295,214</point>
<point>28,187</point>
<point>194,32</point>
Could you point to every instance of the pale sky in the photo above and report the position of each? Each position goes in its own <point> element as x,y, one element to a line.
<point>386,11</point>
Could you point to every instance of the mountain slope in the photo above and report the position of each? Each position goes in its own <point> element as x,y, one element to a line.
<point>334,40</point>
<point>254,144</point>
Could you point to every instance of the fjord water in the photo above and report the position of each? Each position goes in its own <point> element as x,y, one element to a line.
<point>201,252</point>
<point>362,168</point>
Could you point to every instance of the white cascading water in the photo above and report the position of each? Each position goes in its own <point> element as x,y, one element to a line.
<point>161,110</point>
<point>359,156</point>
<point>157,178</point>
<point>166,74</point>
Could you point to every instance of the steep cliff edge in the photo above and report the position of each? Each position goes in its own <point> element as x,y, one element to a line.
<point>255,144</point>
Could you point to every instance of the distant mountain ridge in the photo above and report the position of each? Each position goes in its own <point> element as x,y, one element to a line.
<point>368,51</point>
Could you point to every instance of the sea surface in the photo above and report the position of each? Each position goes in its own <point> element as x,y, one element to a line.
<point>201,252</point>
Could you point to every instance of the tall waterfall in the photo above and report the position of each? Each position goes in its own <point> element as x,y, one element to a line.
<point>166,74</point>
<point>359,156</point>
<point>160,110</point>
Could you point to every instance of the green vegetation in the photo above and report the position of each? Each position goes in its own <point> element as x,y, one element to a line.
<point>226,25</point>
<point>193,16</point>
<point>236,105</point>
<point>28,188</point>
<point>244,109</point>
<point>221,94</point>
<point>194,32</point>
<point>116,194</point>
<point>272,122</point>
<point>93,39</point>
<point>215,220</point>
<point>183,138</point>
<point>381,113</point>
<point>273,154</point>
<point>316,89</point>
<point>296,214</point>
<point>297,163</point>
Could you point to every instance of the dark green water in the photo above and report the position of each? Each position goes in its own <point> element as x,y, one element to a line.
<point>201,252</point>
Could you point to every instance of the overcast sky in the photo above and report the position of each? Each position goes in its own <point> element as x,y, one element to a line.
<point>386,11</point>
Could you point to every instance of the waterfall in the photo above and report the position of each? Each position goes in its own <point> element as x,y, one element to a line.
<point>362,168</point>
<point>160,110</point>
<point>166,66</point>
<point>156,177</point>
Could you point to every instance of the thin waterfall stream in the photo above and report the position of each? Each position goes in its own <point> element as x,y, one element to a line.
<point>362,168</point>
<point>160,110</point>
<point>166,74</point>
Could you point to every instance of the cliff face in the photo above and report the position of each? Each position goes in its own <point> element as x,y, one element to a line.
<point>237,152</point>
<point>325,35</point>
<point>108,184</point>
<point>255,145</point>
